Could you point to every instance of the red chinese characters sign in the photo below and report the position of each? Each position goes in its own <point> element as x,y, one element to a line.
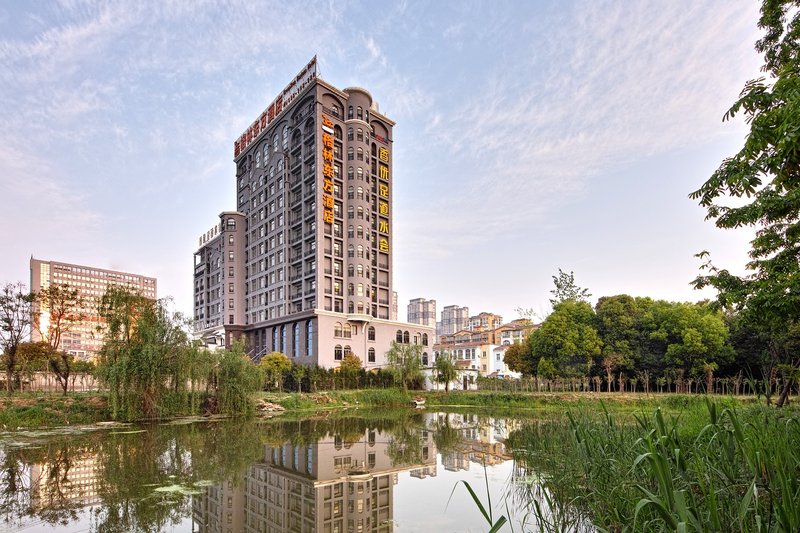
<point>281,102</point>
<point>327,170</point>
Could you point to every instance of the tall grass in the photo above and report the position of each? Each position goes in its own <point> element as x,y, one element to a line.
<point>716,469</point>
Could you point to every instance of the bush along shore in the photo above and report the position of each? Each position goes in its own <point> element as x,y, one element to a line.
<point>27,410</point>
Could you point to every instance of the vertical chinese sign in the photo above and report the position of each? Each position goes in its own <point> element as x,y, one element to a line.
<point>327,170</point>
<point>383,200</point>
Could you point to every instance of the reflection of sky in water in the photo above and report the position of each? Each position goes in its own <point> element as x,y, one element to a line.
<point>420,503</point>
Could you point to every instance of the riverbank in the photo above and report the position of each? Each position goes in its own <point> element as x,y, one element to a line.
<point>32,410</point>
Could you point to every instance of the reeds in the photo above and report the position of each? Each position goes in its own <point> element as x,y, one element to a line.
<point>719,469</point>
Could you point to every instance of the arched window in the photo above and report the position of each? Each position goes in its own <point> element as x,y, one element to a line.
<point>296,339</point>
<point>350,289</point>
<point>360,154</point>
<point>360,172</point>
<point>337,352</point>
<point>283,339</point>
<point>258,159</point>
<point>405,337</point>
<point>349,134</point>
<point>337,132</point>
<point>360,212</point>
<point>424,339</point>
<point>350,212</point>
<point>275,143</point>
<point>271,172</point>
<point>360,289</point>
<point>231,223</point>
<point>351,308</point>
<point>360,250</point>
<point>350,269</point>
<point>360,267</point>
<point>360,305</point>
<point>310,338</point>
<point>424,358</point>
<point>275,346</point>
<point>266,153</point>
<point>371,333</point>
<point>337,329</point>
<point>399,336</point>
<point>360,134</point>
<point>280,164</point>
<point>371,355</point>
<point>350,154</point>
<point>360,192</point>
<point>285,137</point>
<point>350,250</point>
<point>359,113</point>
<point>350,192</point>
<point>346,330</point>
<point>350,112</point>
<point>347,349</point>
<point>350,173</point>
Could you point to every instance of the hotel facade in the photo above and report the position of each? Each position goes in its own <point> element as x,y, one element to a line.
<point>303,266</point>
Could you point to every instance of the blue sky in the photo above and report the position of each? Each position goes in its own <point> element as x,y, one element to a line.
<point>530,136</point>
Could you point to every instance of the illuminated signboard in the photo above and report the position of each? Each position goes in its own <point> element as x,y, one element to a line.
<point>281,102</point>
<point>383,199</point>
<point>327,170</point>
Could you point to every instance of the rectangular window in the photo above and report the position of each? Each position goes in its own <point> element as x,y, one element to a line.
<point>230,287</point>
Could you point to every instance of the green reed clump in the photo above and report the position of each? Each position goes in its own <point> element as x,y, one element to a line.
<point>716,469</point>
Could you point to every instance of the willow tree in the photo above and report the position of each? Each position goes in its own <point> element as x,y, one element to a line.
<point>144,348</point>
<point>765,172</point>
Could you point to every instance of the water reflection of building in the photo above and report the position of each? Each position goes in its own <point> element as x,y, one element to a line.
<point>481,440</point>
<point>65,484</point>
<point>333,485</point>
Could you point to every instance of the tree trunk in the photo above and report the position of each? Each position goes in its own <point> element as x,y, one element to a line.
<point>783,399</point>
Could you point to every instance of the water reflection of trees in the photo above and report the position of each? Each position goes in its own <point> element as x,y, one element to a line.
<point>118,473</point>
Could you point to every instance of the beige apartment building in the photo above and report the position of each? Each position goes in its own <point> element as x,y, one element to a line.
<point>303,265</point>
<point>84,339</point>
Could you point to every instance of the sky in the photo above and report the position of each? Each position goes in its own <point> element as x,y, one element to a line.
<point>530,136</point>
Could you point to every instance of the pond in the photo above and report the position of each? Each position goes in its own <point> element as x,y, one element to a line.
<point>331,472</point>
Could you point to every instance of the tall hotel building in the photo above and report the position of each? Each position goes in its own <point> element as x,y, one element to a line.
<point>304,265</point>
<point>85,338</point>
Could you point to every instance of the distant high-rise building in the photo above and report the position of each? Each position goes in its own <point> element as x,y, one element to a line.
<point>84,339</point>
<point>304,265</point>
<point>422,311</point>
<point>454,318</point>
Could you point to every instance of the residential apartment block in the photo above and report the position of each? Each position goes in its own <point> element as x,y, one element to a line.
<point>303,265</point>
<point>483,347</point>
<point>422,311</point>
<point>84,339</point>
<point>454,318</point>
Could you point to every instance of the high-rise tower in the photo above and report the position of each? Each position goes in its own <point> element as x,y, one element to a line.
<point>304,266</point>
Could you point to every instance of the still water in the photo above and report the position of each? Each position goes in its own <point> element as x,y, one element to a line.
<point>334,472</point>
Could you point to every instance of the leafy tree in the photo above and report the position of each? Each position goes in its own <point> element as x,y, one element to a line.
<point>518,358</point>
<point>237,379</point>
<point>767,172</point>
<point>405,362</point>
<point>567,290</point>
<point>445,369</point>
<point>568,338</point>
<point>144,341</point>
<point>65,308</point>
<point>618,326</point>
<point>15,326</point>
<point>350,367</point>
<point>275,366</point>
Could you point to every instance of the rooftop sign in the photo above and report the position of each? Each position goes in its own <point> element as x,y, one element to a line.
<point>282,101</point>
